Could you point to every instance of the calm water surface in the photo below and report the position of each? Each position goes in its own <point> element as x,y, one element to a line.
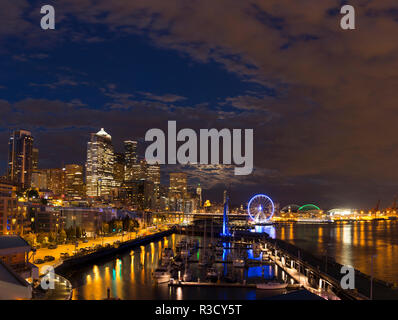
<point>129,276</point>
<point>350,244</point>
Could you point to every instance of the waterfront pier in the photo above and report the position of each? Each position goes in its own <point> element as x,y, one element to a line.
<point>325,276</point>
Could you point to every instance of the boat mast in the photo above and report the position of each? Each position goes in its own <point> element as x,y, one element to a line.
<point>204,241</point>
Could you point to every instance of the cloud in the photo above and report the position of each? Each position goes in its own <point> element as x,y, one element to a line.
<point>123,100</point>
<point>332,109</point>
<point>27,57</point>
<point>60,82</point>
<point>166,98</point>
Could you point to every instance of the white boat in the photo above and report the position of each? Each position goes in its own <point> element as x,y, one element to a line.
<point>239,263</point>
<point>167,255</point>
<point>162,275</point>
<point>187,276</point>
<point>271,286</point>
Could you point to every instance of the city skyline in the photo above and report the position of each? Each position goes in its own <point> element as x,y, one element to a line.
<point>198,150</point>
<point>107,177</point>
<point>137,156</point>
<point>318,135</point>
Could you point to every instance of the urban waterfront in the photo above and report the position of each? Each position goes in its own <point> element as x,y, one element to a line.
<point>350,243</point>
<point>129,276</point>
<point>191,150</point>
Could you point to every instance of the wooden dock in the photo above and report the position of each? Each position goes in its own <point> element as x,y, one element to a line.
<point>222,285</point>
<point>211,284</point>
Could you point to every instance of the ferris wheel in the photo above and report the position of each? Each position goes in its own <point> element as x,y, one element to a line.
<point>261,208</point>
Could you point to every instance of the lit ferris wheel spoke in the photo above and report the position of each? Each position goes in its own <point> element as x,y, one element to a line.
<point>261,208</point>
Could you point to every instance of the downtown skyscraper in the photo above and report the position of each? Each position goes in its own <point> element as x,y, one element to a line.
<point>35,159</point>
<point>178,185</point>
<point>100,165</point>
<point>119,168</point>
<point>131,159</point>
<point>153,173</point>
<point>74,182</point>
<point>20,158</point>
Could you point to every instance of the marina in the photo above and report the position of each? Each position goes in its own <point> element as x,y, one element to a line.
<point>212,254</point>
<point>132,276</point>
<point>187,267</point>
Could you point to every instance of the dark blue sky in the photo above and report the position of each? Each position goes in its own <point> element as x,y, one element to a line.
<point>131,64</point>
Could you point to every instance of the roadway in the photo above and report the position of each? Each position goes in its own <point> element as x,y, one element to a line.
<point>70,248</point>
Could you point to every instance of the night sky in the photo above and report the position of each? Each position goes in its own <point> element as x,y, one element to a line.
<point>322,101</point>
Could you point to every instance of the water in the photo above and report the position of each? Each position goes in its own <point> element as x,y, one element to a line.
<point>349,243</point>
<point>129,276</point>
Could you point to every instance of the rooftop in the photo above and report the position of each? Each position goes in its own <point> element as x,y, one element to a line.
<point>8,275</point>
<point>7,242</point>
<point>103,133</point>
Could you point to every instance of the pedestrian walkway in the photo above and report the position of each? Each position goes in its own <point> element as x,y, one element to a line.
<point>303,280</point>
<point>62,290</point>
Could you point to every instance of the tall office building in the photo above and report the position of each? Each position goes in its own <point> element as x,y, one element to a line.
<point>35,159</point>
<point>199,194</point>
<point>100,165</point>
<point>139,171</point>
<point>20,158</point>
<point>55,180</point>
<point>139,194</point>
<point>39,180</point>
<point>130,152</point>
<point>153,173</point>
<point>11,216</point>
<point>74,183</point>
<point>178,185</point>
<point>119,168</point>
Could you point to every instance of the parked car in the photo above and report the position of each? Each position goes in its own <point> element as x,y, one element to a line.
<point>64,255</point>
<point>39,261</point>
<point>49,258</point>
<point>85,241</point>
<point>52,246</point>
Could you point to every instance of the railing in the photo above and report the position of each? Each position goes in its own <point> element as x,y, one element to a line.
<point>334,283</point>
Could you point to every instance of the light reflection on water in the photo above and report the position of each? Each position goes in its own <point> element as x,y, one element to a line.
<point>129,276</point>
<point>270,230</point>
<point>349,243</point>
